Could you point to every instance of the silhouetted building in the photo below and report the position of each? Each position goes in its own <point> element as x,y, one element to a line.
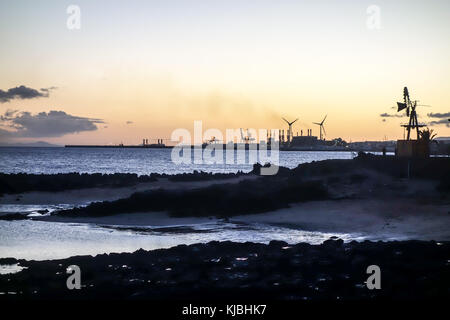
<point>304,141</point>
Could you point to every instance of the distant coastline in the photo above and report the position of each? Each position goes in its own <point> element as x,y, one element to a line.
<point>224,146</point>
<point>37,144</point>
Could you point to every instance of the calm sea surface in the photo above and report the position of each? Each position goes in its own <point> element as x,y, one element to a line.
<point>50,240</point>
<point>140,161</point>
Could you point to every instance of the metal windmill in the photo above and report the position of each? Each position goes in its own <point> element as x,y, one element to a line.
<point>410,107</point>
<point>321,127</point>
<point>290,134</point>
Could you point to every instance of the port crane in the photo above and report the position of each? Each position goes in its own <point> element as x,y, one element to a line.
<point>213,140</point>
<point>248,138</point>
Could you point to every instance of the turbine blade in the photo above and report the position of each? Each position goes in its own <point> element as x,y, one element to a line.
<point>294,121</point>
<point>324,119</point>
<point>325,133</point>
<point>285,120</point>
<point>319,124</point>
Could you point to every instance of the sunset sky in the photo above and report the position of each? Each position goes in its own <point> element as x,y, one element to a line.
<point>140,69</point>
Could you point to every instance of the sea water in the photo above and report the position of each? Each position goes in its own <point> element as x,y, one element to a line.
<point>39,240</point>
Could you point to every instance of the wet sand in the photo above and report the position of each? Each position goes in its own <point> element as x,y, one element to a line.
<point>375,219</point>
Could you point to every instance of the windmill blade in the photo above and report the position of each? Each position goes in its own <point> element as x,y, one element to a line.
<point>405,93</point>
<point>323,128</point>
<point>400,106</point>
<point>319,124</point>
<point>285,120</point>
<point>294,121</point>
<point>324,119</point>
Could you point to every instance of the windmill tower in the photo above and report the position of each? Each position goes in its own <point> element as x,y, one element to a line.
<point>321,127</point>
<point>410,147</point>
<point>410,107</point>
<point>289,133</point>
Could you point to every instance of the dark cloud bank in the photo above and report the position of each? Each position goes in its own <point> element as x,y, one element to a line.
<point>43,124</point>
<point>439,115</point>
<point>442,116</point>
<point>387,115</point>
<point>438,122</point>
<point>23,92</point>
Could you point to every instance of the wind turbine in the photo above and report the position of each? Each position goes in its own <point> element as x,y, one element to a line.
<point>290,128</point>
<point>321,127</point>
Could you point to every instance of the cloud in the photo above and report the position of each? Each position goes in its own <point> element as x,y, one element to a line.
<point>51,124</point>
<point>23,92</point>
<point>439,122</point>
<point>439,115</point>
<point>387,115</point>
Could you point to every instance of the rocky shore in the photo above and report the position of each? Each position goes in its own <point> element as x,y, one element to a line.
<point>243,271</point>
<point>15,183</point>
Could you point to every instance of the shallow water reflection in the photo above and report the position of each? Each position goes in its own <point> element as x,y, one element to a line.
<point>38,240</point>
